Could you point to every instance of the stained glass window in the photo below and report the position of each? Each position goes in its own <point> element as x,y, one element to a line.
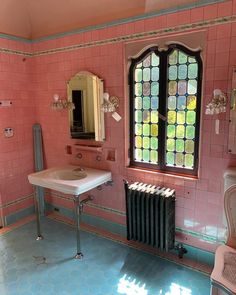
<point>165,97</point>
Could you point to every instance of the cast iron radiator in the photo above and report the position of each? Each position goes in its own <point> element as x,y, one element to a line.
<point>150,213</point>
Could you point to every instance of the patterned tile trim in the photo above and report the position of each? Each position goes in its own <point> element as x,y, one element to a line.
<point>16,201</point>
<point>201,236</point>
<point>16,52</point>
<point>170,256</point>
<point>124,38</point>
<point>116,22</point>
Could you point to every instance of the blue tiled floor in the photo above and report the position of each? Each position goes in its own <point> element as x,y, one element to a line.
<point>107,268</point>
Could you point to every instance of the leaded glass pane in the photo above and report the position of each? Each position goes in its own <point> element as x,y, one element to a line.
<point>146,92</point>
<point>181,109</point>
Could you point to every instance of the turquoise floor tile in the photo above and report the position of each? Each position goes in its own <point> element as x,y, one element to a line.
<point>47,267</point>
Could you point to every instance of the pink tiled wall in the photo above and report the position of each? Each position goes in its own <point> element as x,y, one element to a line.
<point>199,202</point>
<point>16,156</point>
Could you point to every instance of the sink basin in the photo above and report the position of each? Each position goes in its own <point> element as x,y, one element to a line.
<point>68,174</point>
<point>70,179</point>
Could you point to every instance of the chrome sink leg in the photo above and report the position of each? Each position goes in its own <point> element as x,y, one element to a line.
<point>36,198</point>
<point>79,255</point>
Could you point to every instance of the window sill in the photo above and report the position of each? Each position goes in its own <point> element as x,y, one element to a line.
<point>163,173</point>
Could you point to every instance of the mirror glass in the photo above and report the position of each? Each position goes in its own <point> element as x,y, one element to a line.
<point>85,90</point>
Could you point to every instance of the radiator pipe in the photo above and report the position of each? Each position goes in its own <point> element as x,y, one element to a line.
<point>181,250</point>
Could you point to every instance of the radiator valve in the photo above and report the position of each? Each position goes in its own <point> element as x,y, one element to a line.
<point>181,250</point>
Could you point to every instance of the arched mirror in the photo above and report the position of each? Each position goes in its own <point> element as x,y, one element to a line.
<point>85,90</point>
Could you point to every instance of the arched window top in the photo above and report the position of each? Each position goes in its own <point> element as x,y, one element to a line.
<point>165,94</point>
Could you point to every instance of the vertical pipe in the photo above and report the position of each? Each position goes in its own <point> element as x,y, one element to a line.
<point>36,198</point>
<point>79,255</point>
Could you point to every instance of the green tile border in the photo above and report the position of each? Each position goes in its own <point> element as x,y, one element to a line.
<point>14,217</point>
<point>144,16</point>
<point>125,38</point>
<point>194,253</point>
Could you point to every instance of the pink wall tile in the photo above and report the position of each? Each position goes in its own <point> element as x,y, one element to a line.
<point>31,83</point>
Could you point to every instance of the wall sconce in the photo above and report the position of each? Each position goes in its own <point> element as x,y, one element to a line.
<point>110,104</point>
<point>218,103</point>
<point>60,104</point>
<point>216,106</point>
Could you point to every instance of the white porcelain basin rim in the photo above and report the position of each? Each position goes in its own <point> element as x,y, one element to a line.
<point>59,179</point>
<point>67,174</point>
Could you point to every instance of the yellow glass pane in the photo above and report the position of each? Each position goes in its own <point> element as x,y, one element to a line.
<point>191,102</point>
<point>154,129</point>
<point>180,117</point>
<point>138,141</point>
<point>171,117</point>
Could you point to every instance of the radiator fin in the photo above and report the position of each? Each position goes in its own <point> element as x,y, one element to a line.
<point>150,213</point>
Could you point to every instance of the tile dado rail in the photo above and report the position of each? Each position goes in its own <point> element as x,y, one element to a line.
<point>124,38</point>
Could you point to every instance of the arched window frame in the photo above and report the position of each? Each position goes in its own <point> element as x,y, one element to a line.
<point>162,128</point>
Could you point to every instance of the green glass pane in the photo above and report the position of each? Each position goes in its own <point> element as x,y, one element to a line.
<point>139,65</point>
<point>138,154</point>
<point>180,117</point>
<point>154,156</point>
<point>171,103</point>
<point>191,117</point>
<point>191,59</point>
<point>179,145</point>
<point>138,129</point>
<point>155,60</point>
<point>146,88</point>
<point>138,116</point>
<point>190,132</point>
<point>146,155</point>
<point>138,89</point>
<point>191,102</point>
<point>170,145</point>
<point>138,75</point>
<point>154,116</point>
<point>181,103</point>
<point>154,102</point>
<point>146,142</point>
<point>192,71</point>
<point>138,102</point>
<point>171,117</point>
<point>138,141</point>
<point>146,102</point>
<point>179,159</point>
<point>155,88</point>
<point>182,72</point>
<point>172,72</point>
<point>172,88</point>
<point>171,131</point>
<point>173,57</point>
<point>180,129</point>
<point>192,87</point>
<point>146,129</point>
<point>147,61</point>
<point>188,161</point>
<point>170,159</point>
<point>146,74</point>
<point>189,146</point>
<point>183,58</point>
<point>155,74</point>
<point>154,143</point>
<point>146,116</point>
<point>154,130</point>
<point>182,87</point>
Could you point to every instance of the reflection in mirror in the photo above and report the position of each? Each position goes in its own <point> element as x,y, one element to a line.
<point>85,90</point>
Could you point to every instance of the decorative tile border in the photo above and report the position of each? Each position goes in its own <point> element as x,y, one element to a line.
<point>126,38</point>
<point>17,201</point>
<point>149,15</point>
<point>69,214</point>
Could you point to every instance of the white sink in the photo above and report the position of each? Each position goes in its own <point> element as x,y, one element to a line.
<point>70,179</point>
